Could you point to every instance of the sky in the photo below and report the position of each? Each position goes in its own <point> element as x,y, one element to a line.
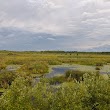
<point>54,24</point>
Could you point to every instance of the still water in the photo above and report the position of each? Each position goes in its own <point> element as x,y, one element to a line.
<point>58,71</point>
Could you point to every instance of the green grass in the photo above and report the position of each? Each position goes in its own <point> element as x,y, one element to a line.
<point>2,90</point>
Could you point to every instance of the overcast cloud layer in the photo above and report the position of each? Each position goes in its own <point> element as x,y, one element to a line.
<point>54,24</point>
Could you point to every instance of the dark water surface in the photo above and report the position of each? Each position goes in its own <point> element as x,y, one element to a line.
<point>61,70</point>
<point>58,71</point>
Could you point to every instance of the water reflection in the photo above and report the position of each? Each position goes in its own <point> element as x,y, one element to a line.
<point>58,71</point>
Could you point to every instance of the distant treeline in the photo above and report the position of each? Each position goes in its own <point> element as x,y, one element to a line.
<point>52,51</point>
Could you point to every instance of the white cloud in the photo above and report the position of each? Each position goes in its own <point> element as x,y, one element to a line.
<point>76,19</point>
<point>49,38</point>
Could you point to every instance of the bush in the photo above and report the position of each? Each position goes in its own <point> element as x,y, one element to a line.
<point>2,66</point>
<point>97,68</point>
<point>75,74</point>
<point>10,54</point>
<point>99,64</point>
<point>91,94</point>
<point>6,78</point>
<point>36,68</point>
<point>57,80</point>
<point>54,62</point>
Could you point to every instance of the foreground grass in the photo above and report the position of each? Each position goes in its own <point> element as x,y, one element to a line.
<point>90,94</point>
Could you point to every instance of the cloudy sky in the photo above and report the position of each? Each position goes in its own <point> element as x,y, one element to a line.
<point>54,24</point>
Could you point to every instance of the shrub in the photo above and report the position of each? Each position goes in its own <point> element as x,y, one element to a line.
<point>11,54</point>
<point>75,74</point>
<point>57,80</point>
<point>97,68</point>
<point>6,78</point>
<point>35,68</point>
<point>2,66</point>
<point>99,64</point>
<point>91,94</point>
<point>54,62</point>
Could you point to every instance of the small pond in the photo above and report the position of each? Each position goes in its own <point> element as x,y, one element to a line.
<point>58,71</point>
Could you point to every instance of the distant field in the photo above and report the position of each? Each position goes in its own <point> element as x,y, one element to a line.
<point>27,60</point>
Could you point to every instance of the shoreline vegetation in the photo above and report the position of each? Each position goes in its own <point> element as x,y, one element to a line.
<point>81,81</point>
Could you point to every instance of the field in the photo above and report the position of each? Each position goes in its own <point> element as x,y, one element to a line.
<point>24,85</point>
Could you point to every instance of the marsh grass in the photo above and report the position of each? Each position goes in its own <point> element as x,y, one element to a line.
<point>37,63</point>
